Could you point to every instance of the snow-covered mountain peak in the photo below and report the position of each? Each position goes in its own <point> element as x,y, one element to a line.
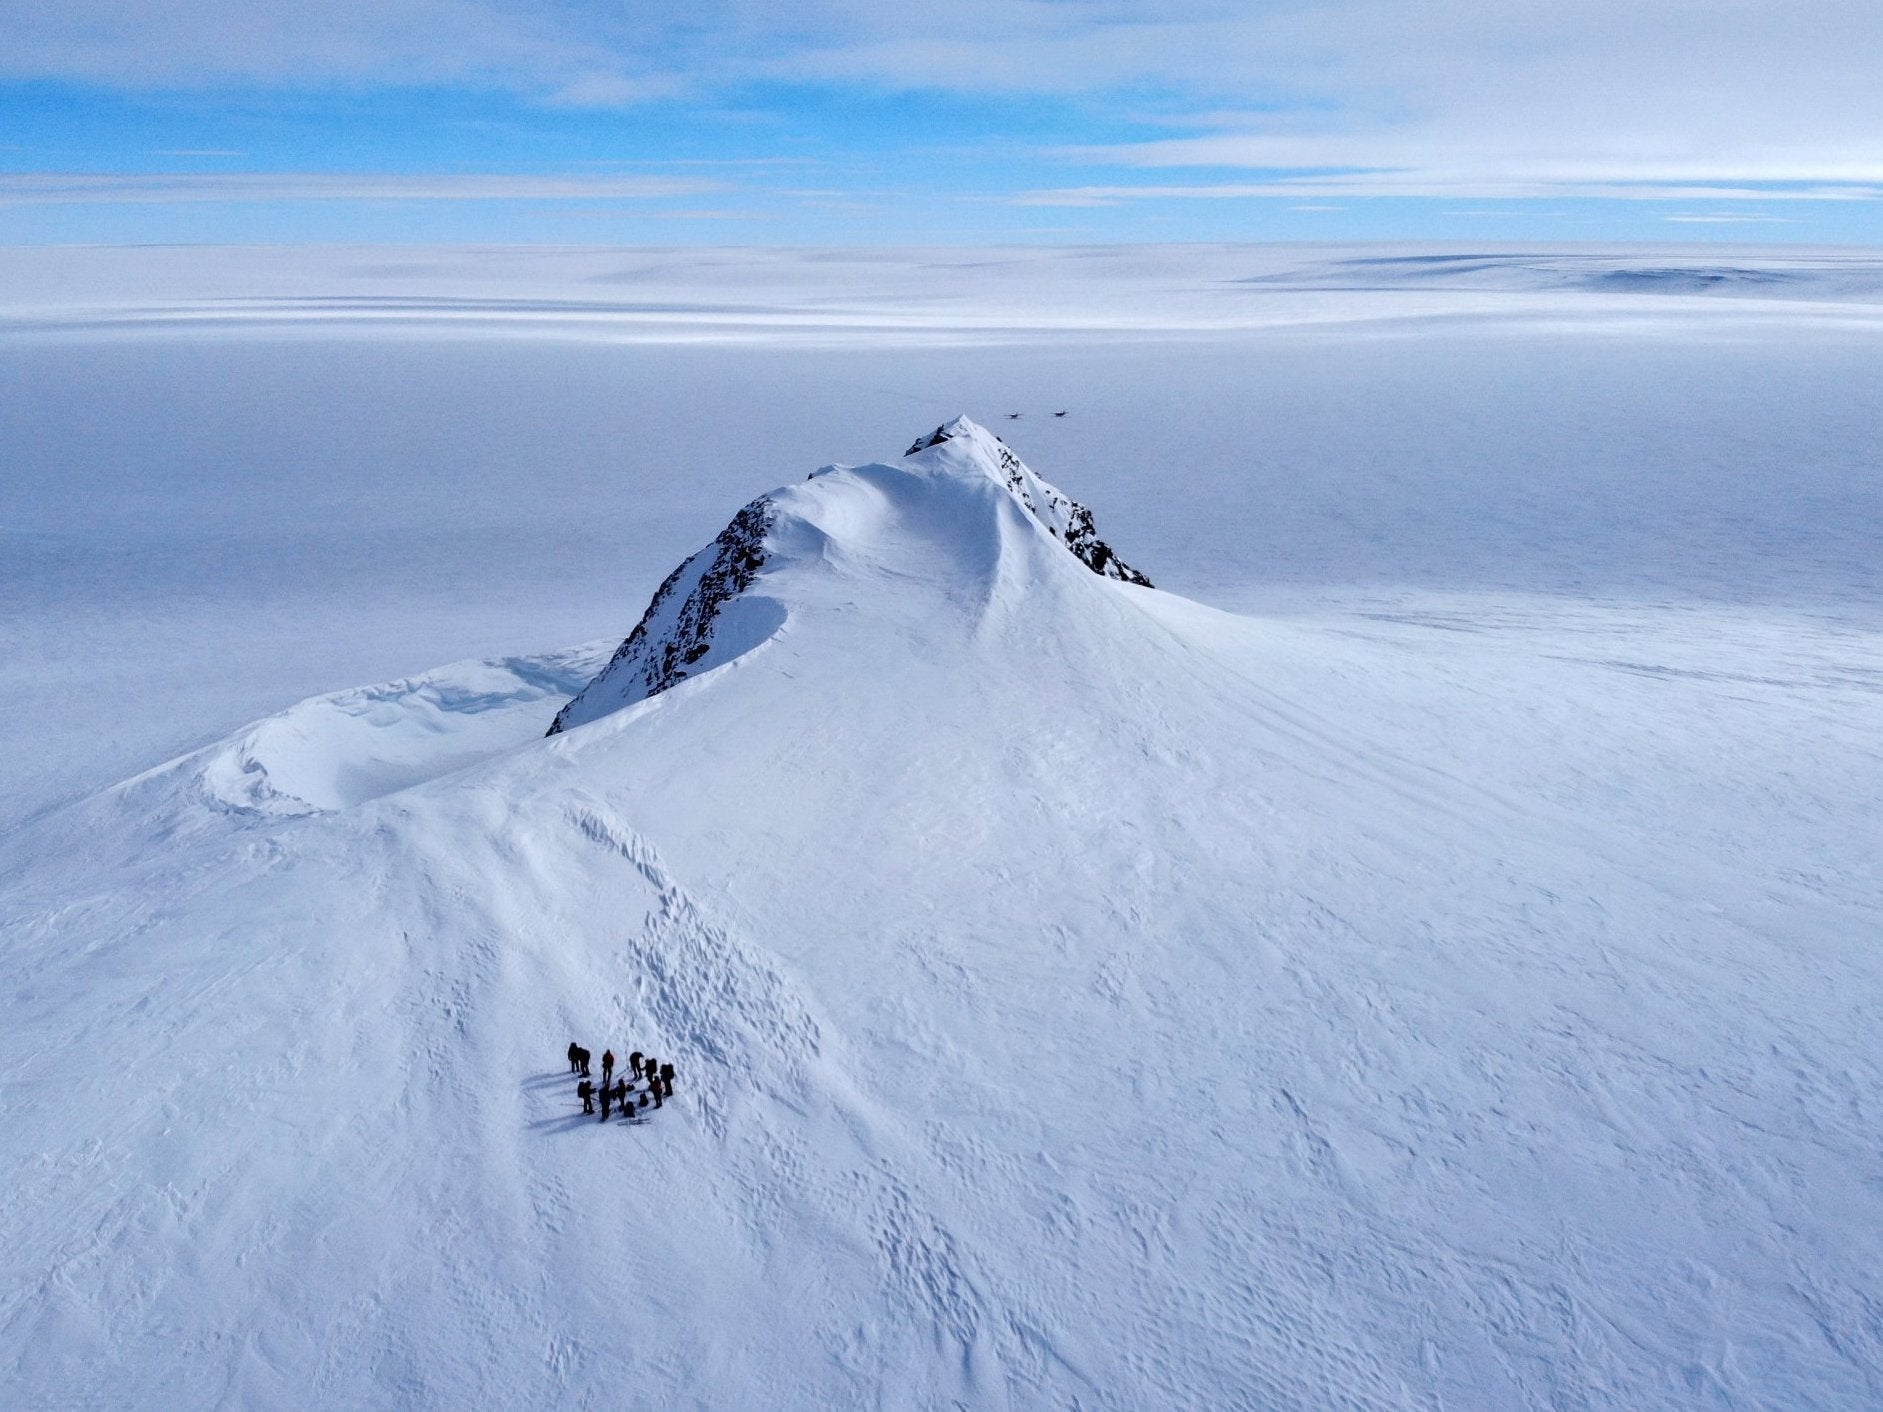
<point>941,522</point>
<point>965,447</point>
<point>968,434</point>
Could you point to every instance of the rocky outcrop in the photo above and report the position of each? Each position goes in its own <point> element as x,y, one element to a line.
<point>934,438</point>
<point>677,629</point>
<point>1081,537</point>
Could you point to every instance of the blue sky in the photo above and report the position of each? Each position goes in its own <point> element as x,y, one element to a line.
<point>577,122</point>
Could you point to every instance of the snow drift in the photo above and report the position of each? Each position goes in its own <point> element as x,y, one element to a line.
<point>1079,997</point>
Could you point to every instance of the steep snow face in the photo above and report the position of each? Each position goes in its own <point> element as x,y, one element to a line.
<point>709,612</point>
<point>1065,518</point>
<point>676,633</point>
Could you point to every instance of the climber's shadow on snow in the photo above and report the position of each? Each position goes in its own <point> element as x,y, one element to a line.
<point>563,1122</point>
<point>568,1122</point>
<point>537,1085</point>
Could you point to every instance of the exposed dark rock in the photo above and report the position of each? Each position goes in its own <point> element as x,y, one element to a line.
<point>922,443</point>
<point>1081,533</point>
<point>670,638</point>
<point>1098,556</point>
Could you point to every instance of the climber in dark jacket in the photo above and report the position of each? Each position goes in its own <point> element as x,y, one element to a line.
<point>586,1092</point>
<point>621,1098</point>
<point>575,1057</point>
<point>666,1078</point>
<point>634,1063</point>
<point>607,1093</point>
<point>608,1066</point>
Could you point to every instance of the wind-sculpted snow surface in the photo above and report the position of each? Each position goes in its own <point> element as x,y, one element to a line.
<point>336,751</point>
<point>679,634</point>
<point>886,296</point>
<point>1079,997</point>
<point>1065,518</point>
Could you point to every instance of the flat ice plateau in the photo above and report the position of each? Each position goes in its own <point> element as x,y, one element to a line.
<point>1424,954</point>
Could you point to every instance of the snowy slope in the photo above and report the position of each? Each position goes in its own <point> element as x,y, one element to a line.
<point>713,608</point>
<point>1080,997</point>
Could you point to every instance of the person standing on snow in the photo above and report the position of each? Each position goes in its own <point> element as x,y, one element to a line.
<point>634,1063</point>
<point>666,1078</point>
<point>608,1066</point>
<point>607,1093</point>
<point>621,1098</point>
<point>586,1092</point>
<point>575,1057</point>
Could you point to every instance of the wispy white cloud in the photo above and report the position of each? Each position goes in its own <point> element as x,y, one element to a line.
<point>557,49</point>
<point>638,214</point>
<point>1726,220</point>
<point>1470,98</point>
<point>1365,184</point>
<point>1464,98</point>
<point>1523,98</point>
<point>40,188</point>
<point>1498,158</point>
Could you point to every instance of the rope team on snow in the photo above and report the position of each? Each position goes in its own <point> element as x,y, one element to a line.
<point>621,1094</point>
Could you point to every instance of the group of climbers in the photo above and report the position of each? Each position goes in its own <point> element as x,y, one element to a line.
<point>620,1093</point>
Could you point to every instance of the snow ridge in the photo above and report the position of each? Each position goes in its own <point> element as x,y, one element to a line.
<point>1069,522</point>
<point>691,626</point>
<point>676,631</point>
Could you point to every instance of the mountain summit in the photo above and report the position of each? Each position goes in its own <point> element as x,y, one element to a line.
<point>719,604</point>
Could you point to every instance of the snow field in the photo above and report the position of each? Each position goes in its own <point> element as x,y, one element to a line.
<point>1081,997</point>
